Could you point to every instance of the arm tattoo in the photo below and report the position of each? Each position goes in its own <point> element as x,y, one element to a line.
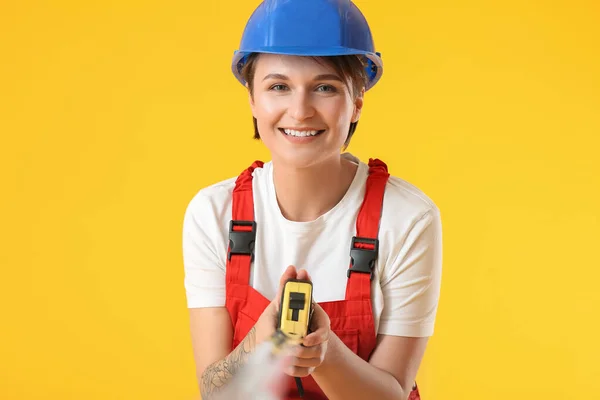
<point>220,372</point>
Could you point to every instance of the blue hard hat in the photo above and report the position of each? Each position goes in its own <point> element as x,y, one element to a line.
<point>308,28</point>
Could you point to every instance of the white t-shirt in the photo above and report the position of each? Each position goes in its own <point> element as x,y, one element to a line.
<point>406,286</point>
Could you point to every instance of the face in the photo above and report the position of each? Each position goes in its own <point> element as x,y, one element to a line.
<point>303,109</point>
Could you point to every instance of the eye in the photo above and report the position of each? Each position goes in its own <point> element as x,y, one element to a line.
<point>326,88</point>
<point>278,88</point>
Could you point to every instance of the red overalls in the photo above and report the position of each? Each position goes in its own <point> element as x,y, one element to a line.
<point>352,318</point>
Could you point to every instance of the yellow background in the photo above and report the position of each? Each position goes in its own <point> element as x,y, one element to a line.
<point>114,114</point>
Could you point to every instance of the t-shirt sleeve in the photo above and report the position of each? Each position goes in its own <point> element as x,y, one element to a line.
<point>203,266</point>
<point>411,282</point>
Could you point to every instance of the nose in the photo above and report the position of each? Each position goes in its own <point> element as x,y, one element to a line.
<point>301,107</point>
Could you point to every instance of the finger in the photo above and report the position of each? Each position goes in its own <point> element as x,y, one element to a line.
<point>316,338</point>
<point>299,372</point>
<point>306,362</point>
<point>309,352</point>
<point>289,273</point>
<point>303,275</point>
<point>320,317</point>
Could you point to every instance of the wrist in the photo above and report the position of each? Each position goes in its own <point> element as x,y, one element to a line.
<point>263,334</point>
<point>331,354</point>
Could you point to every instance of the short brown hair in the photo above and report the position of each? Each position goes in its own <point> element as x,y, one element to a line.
<point>351,67</point>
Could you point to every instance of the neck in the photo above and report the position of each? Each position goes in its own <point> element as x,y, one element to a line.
<point>304,194</point>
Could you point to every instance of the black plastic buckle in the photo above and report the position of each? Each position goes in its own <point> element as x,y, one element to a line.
<point>363,260</point>
<point>241,242</point>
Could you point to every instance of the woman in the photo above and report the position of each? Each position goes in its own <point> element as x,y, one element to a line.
<point>369,242</point>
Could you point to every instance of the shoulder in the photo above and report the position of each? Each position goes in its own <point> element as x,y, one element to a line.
<point>212,199</point>
<point>210,208</point>
<point>203,225</point>
<point>404,204</point>
<point>214,202</point>
<point>410,219</point>
<point>403,199</point>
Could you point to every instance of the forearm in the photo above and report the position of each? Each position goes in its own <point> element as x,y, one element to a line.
<point>216,375</point>
<point>344,375</point>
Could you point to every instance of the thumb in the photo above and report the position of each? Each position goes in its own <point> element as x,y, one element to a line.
<point>303,275</point>
<point>289,273</point>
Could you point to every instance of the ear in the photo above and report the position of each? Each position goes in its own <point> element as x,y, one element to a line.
<point>358,105</point>
<point>250,99</point>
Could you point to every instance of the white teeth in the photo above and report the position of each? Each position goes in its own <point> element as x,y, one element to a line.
<point>292,132</point>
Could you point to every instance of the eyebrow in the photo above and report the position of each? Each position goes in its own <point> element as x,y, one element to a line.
<point>322,77</point>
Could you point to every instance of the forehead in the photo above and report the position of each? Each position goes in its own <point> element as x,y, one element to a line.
<point>291,66</point>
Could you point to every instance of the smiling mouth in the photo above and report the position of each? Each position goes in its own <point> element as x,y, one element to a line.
<point>303,133</point>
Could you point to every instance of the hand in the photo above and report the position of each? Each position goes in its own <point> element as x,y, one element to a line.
<point>267,323</point>
<point>306,358</point>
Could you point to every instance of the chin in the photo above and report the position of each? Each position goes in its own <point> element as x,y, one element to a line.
<point>303,158</point>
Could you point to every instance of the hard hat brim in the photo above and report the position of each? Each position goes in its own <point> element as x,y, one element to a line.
<point>374,59</point>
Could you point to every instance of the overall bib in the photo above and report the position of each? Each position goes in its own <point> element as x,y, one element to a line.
<point>351,318</point>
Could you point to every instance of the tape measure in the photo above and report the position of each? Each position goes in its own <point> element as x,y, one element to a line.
<point>296,309</point>
<point>295,313</point>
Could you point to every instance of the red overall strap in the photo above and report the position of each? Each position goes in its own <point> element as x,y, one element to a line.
<point>365,244</point>
<point>241,242</point>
